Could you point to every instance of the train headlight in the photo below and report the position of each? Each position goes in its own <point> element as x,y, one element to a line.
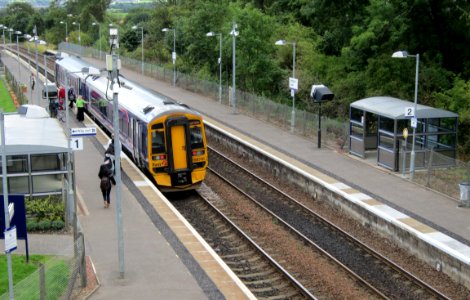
<point>198,153</point>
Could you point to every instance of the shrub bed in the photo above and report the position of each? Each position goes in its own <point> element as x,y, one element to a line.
<point>45,214</point>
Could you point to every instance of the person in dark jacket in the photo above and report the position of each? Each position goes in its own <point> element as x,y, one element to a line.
<point>106,181</point>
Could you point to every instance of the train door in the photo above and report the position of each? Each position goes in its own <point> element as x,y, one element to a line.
<point>178,143</point>
<point>135,140</point>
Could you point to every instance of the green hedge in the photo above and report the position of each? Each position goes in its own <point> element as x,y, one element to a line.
<point>45,214</point>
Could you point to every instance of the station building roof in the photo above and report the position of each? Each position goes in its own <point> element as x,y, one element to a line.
<point>33,132</point>
<point>394,108</point>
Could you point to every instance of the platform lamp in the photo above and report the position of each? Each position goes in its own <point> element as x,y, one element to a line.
<point>404,54</point>
<point>79,33</point>
<point>219,61</point>
<point>319,94</point>
<point>173,54</point>
<point>293,82</point>
<point>99,33</point>
<point>135,27</point>
<point>17,33</point>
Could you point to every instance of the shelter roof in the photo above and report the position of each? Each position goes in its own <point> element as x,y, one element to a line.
<point>394,108</point>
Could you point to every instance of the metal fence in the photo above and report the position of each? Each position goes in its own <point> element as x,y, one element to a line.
<point>17,88</point>
<point>335,133</point>
<point>60,277</point>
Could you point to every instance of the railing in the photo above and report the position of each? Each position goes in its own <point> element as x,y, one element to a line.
<point>56,278</point>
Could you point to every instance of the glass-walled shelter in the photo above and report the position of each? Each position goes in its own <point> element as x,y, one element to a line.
<point>379,125</point>
<point>36,153</point>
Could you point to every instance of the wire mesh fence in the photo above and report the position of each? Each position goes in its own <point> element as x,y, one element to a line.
<point>17,88</point>
<point>60,277</point>
<point>334,133</point>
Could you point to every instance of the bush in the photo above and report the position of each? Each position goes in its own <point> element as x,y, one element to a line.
<point>44,225</point>
<point>57,225</point>
<point>31,225</point>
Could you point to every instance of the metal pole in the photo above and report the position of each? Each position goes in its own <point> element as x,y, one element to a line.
<point>174,57</point>
<point>70,192</point>
<point>29,64</point>
<point>142,28</point>
<point>234,93</point>
<point>99,33</point>
<point>66,33</point>
<point>79,35</point>
<point>220,67</point>
<point>117,165</point>
<point>413,154</point>
<point>319,125</point>
<point>5,201</point>
<point>18,54</point>
<point>292,123</point>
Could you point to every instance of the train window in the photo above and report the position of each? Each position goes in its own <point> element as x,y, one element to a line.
<point>196,137</point>
<point>158,142</point>
<point>157,126</point>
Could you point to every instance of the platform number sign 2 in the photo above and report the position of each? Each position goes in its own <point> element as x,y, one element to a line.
<point>76,143</point>
<point>409,111</point>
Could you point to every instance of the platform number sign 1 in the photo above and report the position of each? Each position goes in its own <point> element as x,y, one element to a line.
<point>409,111</point>
<point>76,143</point>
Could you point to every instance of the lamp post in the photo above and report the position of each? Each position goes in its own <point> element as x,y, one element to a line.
<point>219,62</point>
<point>99,34</point>
<point>234,34</point>
<point>18,55</point>
<point>36,41</point>
<point>173,54</point>
<point>113,34</point>
<point>10,30</point>
<point>142,40</point>
<point>3,34</point>
<point>5,201</point>
<point>66,32</point>
<point>293,82</point>
<point>404,54</point>
<point>320,93</point>
<point>79,35</point>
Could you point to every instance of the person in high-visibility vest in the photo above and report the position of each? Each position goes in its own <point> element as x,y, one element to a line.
<point>80,108</point>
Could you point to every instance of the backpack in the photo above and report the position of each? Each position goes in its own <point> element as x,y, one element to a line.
<point>105,183</point>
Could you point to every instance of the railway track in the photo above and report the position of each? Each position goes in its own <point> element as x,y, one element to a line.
<point>265,278</point>
<point>380,275</point>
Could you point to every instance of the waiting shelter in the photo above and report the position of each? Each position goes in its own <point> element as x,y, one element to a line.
<point>379,125</point>
<point>36,152</point>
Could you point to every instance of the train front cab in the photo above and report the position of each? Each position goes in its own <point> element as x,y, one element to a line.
<point>178,152</point>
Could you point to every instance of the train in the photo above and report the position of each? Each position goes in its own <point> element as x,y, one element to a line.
<point>165,138</point>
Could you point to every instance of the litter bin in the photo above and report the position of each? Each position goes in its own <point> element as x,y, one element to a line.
<point>464,194</point>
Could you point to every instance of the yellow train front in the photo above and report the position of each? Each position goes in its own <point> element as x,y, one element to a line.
<point>163,137</point>
<point>177,152</point>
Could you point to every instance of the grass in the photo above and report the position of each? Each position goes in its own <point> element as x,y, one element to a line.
<point>6,102</point>
<point>57,275</point>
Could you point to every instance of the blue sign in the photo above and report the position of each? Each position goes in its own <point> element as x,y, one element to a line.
<point>19,218</point>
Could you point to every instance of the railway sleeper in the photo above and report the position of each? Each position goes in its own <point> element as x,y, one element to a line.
<point>252,276</point>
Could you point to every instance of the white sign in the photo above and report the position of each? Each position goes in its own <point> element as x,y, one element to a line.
<point>10,239</point>
<point>83,131</point>
<point>173,56</point>
<point>414,122</point>
<point>76,143</point>
<point>409,111</point>
<point>293,83</point>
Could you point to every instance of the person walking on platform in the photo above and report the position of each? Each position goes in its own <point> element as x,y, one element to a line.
<point>106,181</point>
<point>80,109</point>
<point>109,153</point>
<point>72,97</point>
